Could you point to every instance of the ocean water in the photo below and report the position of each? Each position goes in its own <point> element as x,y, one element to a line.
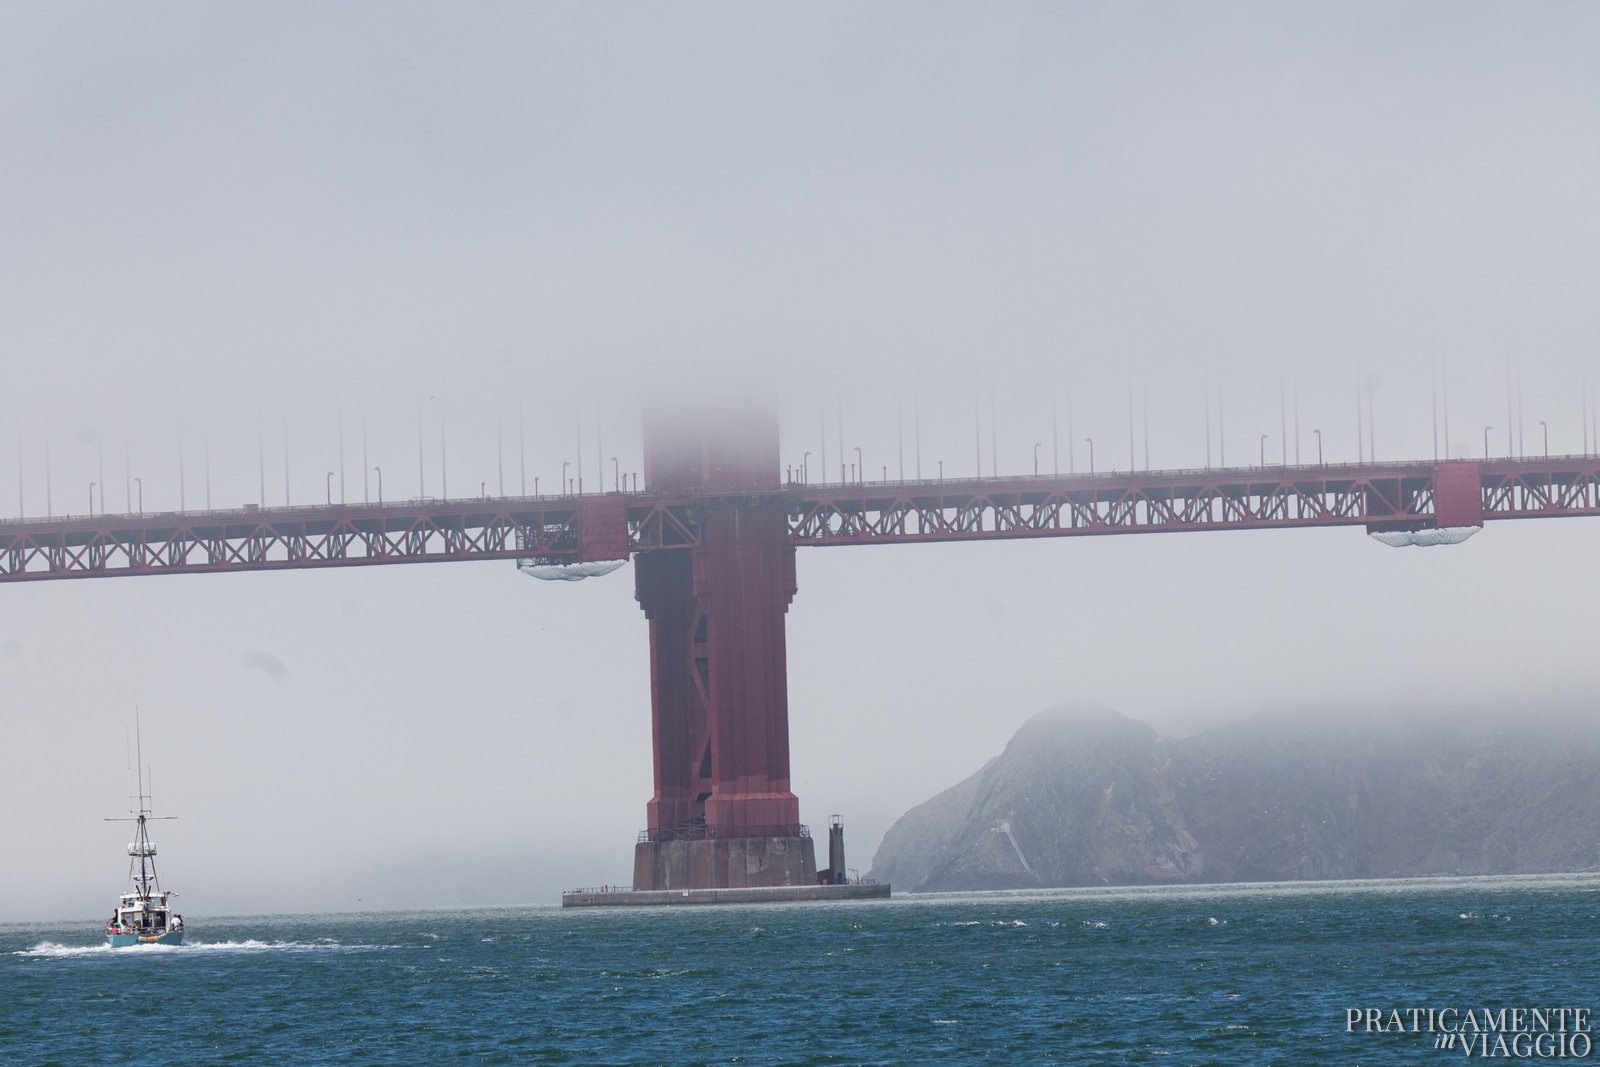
<point>1225,975</point>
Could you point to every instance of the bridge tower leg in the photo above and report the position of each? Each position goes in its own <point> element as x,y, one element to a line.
<point>723,814</point>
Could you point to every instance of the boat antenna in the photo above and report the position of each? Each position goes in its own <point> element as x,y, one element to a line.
<point>141,849</point>
<point>138,734</point>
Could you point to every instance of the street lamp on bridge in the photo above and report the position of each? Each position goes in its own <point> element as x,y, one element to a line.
<point>1319,447</point>
<point>861,470</point>
<point>1091,453</point>
<point>140,483</point>
<point>327,484</point>
<point>805,468</point>
<point>564,465</point>
<point>1263,450</point>
<point>380,483</point>
<point>1542,425</point>
<point>616,475</point>
<point>91,498</point>
<point>1486,430</point>
<point>1036,445</point>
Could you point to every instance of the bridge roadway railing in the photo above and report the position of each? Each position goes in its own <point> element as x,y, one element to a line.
<point>253,538</point>
<point>1379,496</point>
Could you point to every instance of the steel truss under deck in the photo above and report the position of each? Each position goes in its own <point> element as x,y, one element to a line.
<point>1395,496</point>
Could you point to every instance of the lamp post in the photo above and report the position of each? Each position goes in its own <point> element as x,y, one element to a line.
<point>483,490</point>
<point>91,498</point>
<point>139,482</point>
<point>1090,440</point>
<point>805,468</point>
<point>1036,445</point>
<point>1263,450</point>
<point>1543,426</point>
<point>861,470</point>
<point>327,484</point>
<point>1319,446</point>
<point>564,465</point>
<point>380,483</point>
<point>1486,430</point>
<point>941,472</point>
<point>616,475</point>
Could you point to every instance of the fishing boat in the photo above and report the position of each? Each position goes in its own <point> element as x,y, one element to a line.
<point>143,916</point>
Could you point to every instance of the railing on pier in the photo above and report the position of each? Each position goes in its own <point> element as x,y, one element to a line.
<point>709,833</point>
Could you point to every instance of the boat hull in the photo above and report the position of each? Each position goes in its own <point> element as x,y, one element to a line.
<point>171,937</point>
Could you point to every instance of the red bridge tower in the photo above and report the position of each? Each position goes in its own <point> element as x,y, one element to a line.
<point>723,815</point>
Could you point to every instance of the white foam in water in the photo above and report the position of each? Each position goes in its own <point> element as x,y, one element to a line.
<point>52,950</point>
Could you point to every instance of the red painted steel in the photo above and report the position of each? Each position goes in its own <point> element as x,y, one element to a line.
<point>679,691</point>
<point>1378,496</point>
<point>1458,495</point>
<point>603,527</point>
<point>744,579</point>
<point>719,686</point>
<point>294,538</point>
<point>613,525</point>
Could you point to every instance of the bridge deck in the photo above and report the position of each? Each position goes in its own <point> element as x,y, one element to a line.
<point>1386,496</point>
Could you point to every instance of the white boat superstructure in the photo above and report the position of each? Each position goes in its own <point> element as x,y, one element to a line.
<point>144,915</point>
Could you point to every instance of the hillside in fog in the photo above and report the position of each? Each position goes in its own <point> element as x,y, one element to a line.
<point>1086,796</point>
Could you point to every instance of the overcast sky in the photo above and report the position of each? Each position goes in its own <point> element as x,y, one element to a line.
<point>272,239</point>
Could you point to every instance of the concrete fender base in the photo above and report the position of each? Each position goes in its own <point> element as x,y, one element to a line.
<point>748,895</point>
<point>724,863</point>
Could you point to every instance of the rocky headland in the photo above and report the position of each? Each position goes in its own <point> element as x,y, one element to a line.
<point>1086,796</point>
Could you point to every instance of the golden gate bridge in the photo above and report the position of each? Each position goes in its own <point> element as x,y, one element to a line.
<point>713,534</point>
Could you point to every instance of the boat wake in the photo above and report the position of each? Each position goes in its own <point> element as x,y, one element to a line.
<point>50,949</point>
<point>53,950</point>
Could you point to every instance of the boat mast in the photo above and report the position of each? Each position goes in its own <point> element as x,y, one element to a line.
<point>147,861</point>
<point>141,848</point>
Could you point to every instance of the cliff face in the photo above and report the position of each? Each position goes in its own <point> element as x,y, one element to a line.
<point>1089,797</point>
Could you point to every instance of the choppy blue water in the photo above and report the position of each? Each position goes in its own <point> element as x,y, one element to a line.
<point>1231,975</point>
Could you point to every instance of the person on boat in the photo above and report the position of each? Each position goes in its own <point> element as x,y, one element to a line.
<point>177,923</point>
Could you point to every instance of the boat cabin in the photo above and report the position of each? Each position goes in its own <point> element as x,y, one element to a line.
<point>143,916</point>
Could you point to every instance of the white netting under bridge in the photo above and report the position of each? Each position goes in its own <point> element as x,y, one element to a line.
<point>1443,535</point>
<point>567,572</point>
